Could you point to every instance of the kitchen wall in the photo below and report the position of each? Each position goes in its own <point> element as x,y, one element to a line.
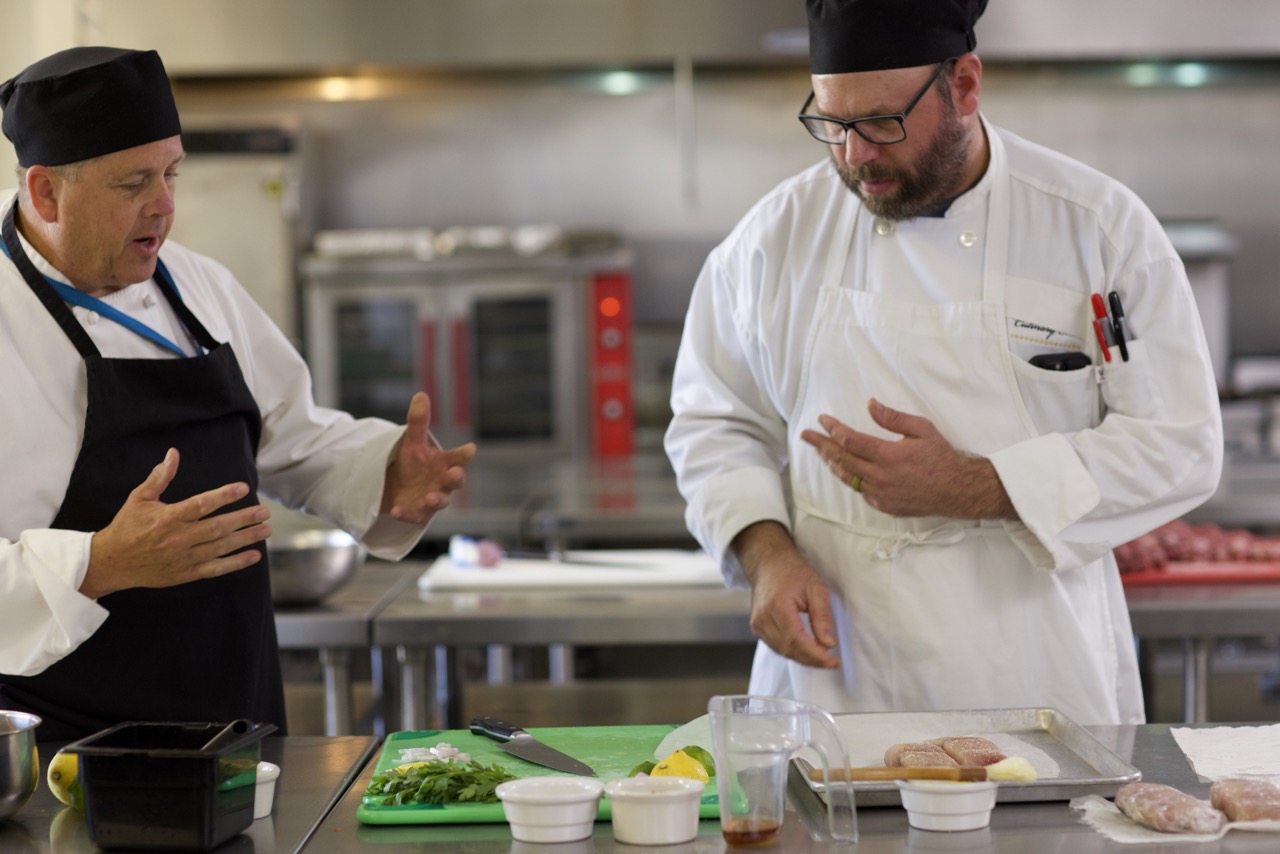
<point>673,165</point>
<point>439,149</point>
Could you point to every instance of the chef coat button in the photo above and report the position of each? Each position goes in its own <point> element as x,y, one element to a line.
<point>148,301</point>
<point>968,239</point>
<point>883,227</point>
<point>92,318</point>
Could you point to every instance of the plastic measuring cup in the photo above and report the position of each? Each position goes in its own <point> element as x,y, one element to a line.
<point>753,739</point>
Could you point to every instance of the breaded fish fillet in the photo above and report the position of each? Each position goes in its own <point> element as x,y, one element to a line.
<point>1246,800</point>
<point>1167,809</point>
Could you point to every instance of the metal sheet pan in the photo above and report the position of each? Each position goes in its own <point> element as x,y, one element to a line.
<point>1069,760</point>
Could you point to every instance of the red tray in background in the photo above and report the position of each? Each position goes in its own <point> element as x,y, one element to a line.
<point>1205,572</point>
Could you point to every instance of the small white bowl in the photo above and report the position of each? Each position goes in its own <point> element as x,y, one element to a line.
<point>550,809</point>
<point>943,805</point>
<point>264,791</point>
<point>654,810</point>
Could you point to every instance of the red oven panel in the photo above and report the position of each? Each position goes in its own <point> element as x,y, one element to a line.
<point>427,357</point>
<point>612,413</point>
<point>460,355</point>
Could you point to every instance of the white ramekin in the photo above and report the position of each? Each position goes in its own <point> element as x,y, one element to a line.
<point>654,810</point>
<point>943,805</point>
<point>550,809</point>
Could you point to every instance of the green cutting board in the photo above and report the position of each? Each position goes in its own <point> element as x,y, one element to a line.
<point>611,751</point>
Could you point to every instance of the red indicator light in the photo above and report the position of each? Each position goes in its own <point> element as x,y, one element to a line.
<point>610,306</point>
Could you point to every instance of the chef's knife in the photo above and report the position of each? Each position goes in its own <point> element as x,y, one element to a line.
<point>519,743</point>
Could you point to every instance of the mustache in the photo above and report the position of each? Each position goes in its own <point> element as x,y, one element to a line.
<point>870,172</point>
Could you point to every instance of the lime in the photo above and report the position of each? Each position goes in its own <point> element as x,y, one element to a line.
<point>681,764</point>
<point>645,767</point>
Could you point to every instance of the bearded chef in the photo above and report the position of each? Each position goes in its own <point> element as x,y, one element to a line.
<point>893,418</point>
<point>148,399</point>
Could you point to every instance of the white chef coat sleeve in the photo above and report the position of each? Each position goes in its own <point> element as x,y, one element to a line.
<point>312,458</point>
<point>45,617</point>
<point>726,441</point>
<point>1157,452</point>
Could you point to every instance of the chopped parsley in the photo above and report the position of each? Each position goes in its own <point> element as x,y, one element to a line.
<point>436,782</point>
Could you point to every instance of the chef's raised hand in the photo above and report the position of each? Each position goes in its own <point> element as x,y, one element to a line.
<point>785,590</point>
<point>153,544</point>
<point>421,474</point>
<point>918,474</point>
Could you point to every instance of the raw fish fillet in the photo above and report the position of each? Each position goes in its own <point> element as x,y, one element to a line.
<point>970,750</point>
<point>1246,800</point>
<point>1166,809</point>
<point>917,755</point>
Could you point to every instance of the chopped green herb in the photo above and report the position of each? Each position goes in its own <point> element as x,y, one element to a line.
<point>436,782</point>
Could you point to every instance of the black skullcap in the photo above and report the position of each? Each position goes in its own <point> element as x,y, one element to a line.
<point>86,101</point>
<point>873,35</point>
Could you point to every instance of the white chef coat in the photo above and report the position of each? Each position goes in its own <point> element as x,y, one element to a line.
<point>311,458</point>
<point>934,613</point>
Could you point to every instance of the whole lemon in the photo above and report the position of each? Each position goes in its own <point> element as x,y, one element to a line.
<point>64,779</point>
<point>681,764</point>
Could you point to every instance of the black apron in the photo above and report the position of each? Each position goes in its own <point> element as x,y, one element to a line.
<point>202,651</point>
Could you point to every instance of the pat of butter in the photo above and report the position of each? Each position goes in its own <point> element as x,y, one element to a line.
<point>1014,769</point>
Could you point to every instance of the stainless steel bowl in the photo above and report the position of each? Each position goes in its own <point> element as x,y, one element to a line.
<point>19,769</point>
<point>309,565</point>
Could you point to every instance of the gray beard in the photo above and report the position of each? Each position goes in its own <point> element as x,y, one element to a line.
<point>935,177</point>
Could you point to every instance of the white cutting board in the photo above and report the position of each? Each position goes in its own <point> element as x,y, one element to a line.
<point>596,568</point>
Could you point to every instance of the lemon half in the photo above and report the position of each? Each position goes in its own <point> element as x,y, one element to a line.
<point>681,764</point>
<point>64,779</point>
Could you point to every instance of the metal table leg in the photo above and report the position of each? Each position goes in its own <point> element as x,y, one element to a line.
<point>1195,686</point>
<point>336,664</point>
<point>413,686</point>
<point>560,663</point>
<point>1147,675</point>
<point>381,691</point>
<point>498,664</point>
<point>446,709</point>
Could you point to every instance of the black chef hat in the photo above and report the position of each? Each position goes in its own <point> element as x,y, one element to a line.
<point>87,101</point>
<point>873,35</point>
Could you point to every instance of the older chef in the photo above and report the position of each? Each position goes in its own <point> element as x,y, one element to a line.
<point>893,418</point>
<point>145,394</point>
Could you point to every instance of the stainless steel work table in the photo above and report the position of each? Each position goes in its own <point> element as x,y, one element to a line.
<point>523,499</point>
<point>1015,828</point>
<point>339,625</point>
<point>426,628</point>
<point>1198,615</point>
<point>631,500</point>
<point>315,772</point>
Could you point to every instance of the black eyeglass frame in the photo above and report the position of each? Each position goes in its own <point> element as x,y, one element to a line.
<point>852,124</point>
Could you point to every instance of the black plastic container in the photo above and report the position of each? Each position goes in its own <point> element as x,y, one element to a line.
<point>150,786</point>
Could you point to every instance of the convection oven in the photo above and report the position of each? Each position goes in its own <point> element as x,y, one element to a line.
<point>522,339</point>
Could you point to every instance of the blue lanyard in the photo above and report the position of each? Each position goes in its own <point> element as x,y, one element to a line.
<point>80,298</point>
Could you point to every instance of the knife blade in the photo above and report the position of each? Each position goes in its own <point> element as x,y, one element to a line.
<point>521,744</point>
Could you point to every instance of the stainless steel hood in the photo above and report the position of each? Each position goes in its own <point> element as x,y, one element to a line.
<point>244,37</point>
<point>282,36</point>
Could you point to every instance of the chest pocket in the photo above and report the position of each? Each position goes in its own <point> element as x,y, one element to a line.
<point>1043,318</point>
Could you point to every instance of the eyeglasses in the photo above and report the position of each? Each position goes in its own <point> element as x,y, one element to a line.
<point>881,130</point>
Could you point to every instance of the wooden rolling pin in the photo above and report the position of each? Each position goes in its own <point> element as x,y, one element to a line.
<point>1013,769</point>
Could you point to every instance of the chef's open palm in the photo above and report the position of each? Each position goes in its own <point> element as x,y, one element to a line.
<point>153,544</point>
<point>422,475</point>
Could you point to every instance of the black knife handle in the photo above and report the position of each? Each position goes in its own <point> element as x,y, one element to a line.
<point>495,728</point>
